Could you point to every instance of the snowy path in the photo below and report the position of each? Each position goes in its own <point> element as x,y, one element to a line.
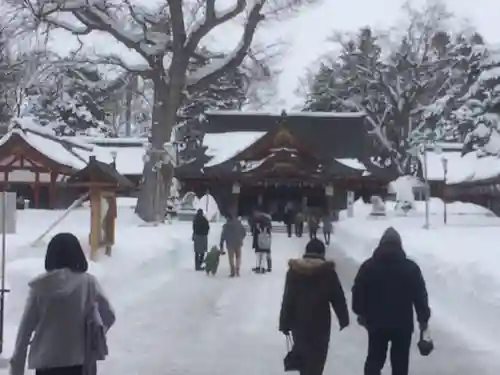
<point>183,323</point>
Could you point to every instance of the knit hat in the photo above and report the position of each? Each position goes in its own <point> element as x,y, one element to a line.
<point>391,235</point>
<point>315,247</point>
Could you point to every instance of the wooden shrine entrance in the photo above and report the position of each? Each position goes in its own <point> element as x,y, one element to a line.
<point>274,199</point>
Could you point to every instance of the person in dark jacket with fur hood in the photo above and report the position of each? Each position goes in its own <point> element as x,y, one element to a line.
<point>387,288</point>
<point>311,287</point>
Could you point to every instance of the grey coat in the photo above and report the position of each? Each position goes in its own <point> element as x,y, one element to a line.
<point>233,234</point>
<point>327,224</point>
<point>53,321</point>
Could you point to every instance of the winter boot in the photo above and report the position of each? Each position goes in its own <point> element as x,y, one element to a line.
<point>269,263</point>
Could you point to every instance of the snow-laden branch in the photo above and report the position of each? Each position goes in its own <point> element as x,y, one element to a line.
<point>208,73</point>
<point>213,19</point>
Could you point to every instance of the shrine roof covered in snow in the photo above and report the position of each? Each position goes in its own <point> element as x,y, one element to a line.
<point>312,144</point>
<point>27,136</point>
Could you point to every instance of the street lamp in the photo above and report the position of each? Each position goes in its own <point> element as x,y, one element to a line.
<point>3,290</point>
<point>445,172</point>
<point>114,154</point>
<point>427,188</point>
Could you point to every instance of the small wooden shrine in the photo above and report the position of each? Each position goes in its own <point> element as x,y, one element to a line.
<point>102,182</point>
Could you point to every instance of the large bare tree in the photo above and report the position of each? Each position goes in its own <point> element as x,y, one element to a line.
<point>168,35</point>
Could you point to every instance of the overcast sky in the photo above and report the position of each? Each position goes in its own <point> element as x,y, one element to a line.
<point>307,32</point>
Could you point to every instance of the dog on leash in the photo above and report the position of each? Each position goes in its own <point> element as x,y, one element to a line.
<point>212,260</point>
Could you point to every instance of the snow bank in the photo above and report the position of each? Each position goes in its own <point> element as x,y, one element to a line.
<point>209,206</point>
<point>138,253</point>
<point>459,261</point>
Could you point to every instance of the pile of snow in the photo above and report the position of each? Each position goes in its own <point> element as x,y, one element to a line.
<point>436,210</point>
<point>209,206</point>
<point>459,261</point>
<point>139,253</point>
<point>126,202</point>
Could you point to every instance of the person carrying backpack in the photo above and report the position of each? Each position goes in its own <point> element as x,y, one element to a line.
<point>262,242</point>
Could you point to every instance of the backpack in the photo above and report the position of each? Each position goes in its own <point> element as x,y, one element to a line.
<point>264,240</point>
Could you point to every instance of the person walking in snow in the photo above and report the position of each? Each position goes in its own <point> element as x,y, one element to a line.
<point>233,234</point>
<point>311,287</point>
<point>387,288</point>
<point>201,227</point>
<point>288,218</point>
<point>299,223</point>
<point>327,224</point>
<point>261,241</point>
<point>56,312</point>
<point>312,225</point>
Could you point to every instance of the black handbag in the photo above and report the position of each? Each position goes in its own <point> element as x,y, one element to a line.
<point>425,344</point>
<point>292,361</point>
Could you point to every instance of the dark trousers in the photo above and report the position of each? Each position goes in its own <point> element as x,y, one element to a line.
<point>312,233</point>
<point>73,370</point>
<point>289,229</point>
<point>378,343</point>
<point>327,237</point>
<point>299,229</point>
<point>198,261</point>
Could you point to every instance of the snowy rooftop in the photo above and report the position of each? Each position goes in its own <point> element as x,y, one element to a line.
<point>75,152</point>
<point>222,147</point>
<point>470,167</point>
<point>290,114</point>
<point>41,140</point>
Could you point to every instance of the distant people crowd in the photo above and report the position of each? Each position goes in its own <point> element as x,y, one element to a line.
<point>297,218</point>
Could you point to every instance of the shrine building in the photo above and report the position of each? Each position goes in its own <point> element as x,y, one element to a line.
<point>315,161</point>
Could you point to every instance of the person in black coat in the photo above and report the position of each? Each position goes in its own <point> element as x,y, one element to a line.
<point>201,227</point>
<point>387,288</point>
<point>311,287</point>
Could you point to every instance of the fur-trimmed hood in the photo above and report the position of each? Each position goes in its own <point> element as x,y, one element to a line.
<point>310,265</point>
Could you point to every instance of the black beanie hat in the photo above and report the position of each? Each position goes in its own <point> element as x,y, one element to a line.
<point>315,247</point>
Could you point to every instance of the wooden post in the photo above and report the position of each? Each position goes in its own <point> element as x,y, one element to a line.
<point>52,190</point>
<point>95,222</point>
<point>36,189</point>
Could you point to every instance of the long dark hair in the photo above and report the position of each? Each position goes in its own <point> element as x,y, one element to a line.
<point>64,251</point>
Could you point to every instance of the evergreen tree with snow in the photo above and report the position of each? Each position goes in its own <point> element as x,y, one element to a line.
<point>73,102</point>
<point>480,112</point>
<point>406,81</point>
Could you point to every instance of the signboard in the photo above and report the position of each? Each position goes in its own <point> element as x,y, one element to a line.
<point>9,213</point>
<point>329,190</point>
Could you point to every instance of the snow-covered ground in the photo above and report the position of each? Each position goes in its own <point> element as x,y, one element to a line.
<point>174,321</point>
<point>459,261</point>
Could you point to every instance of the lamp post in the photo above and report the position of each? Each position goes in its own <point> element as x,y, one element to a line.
<point>114,154</point>
<point>427,192</point>
<point>3,290</point>
<point>445,171</point>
